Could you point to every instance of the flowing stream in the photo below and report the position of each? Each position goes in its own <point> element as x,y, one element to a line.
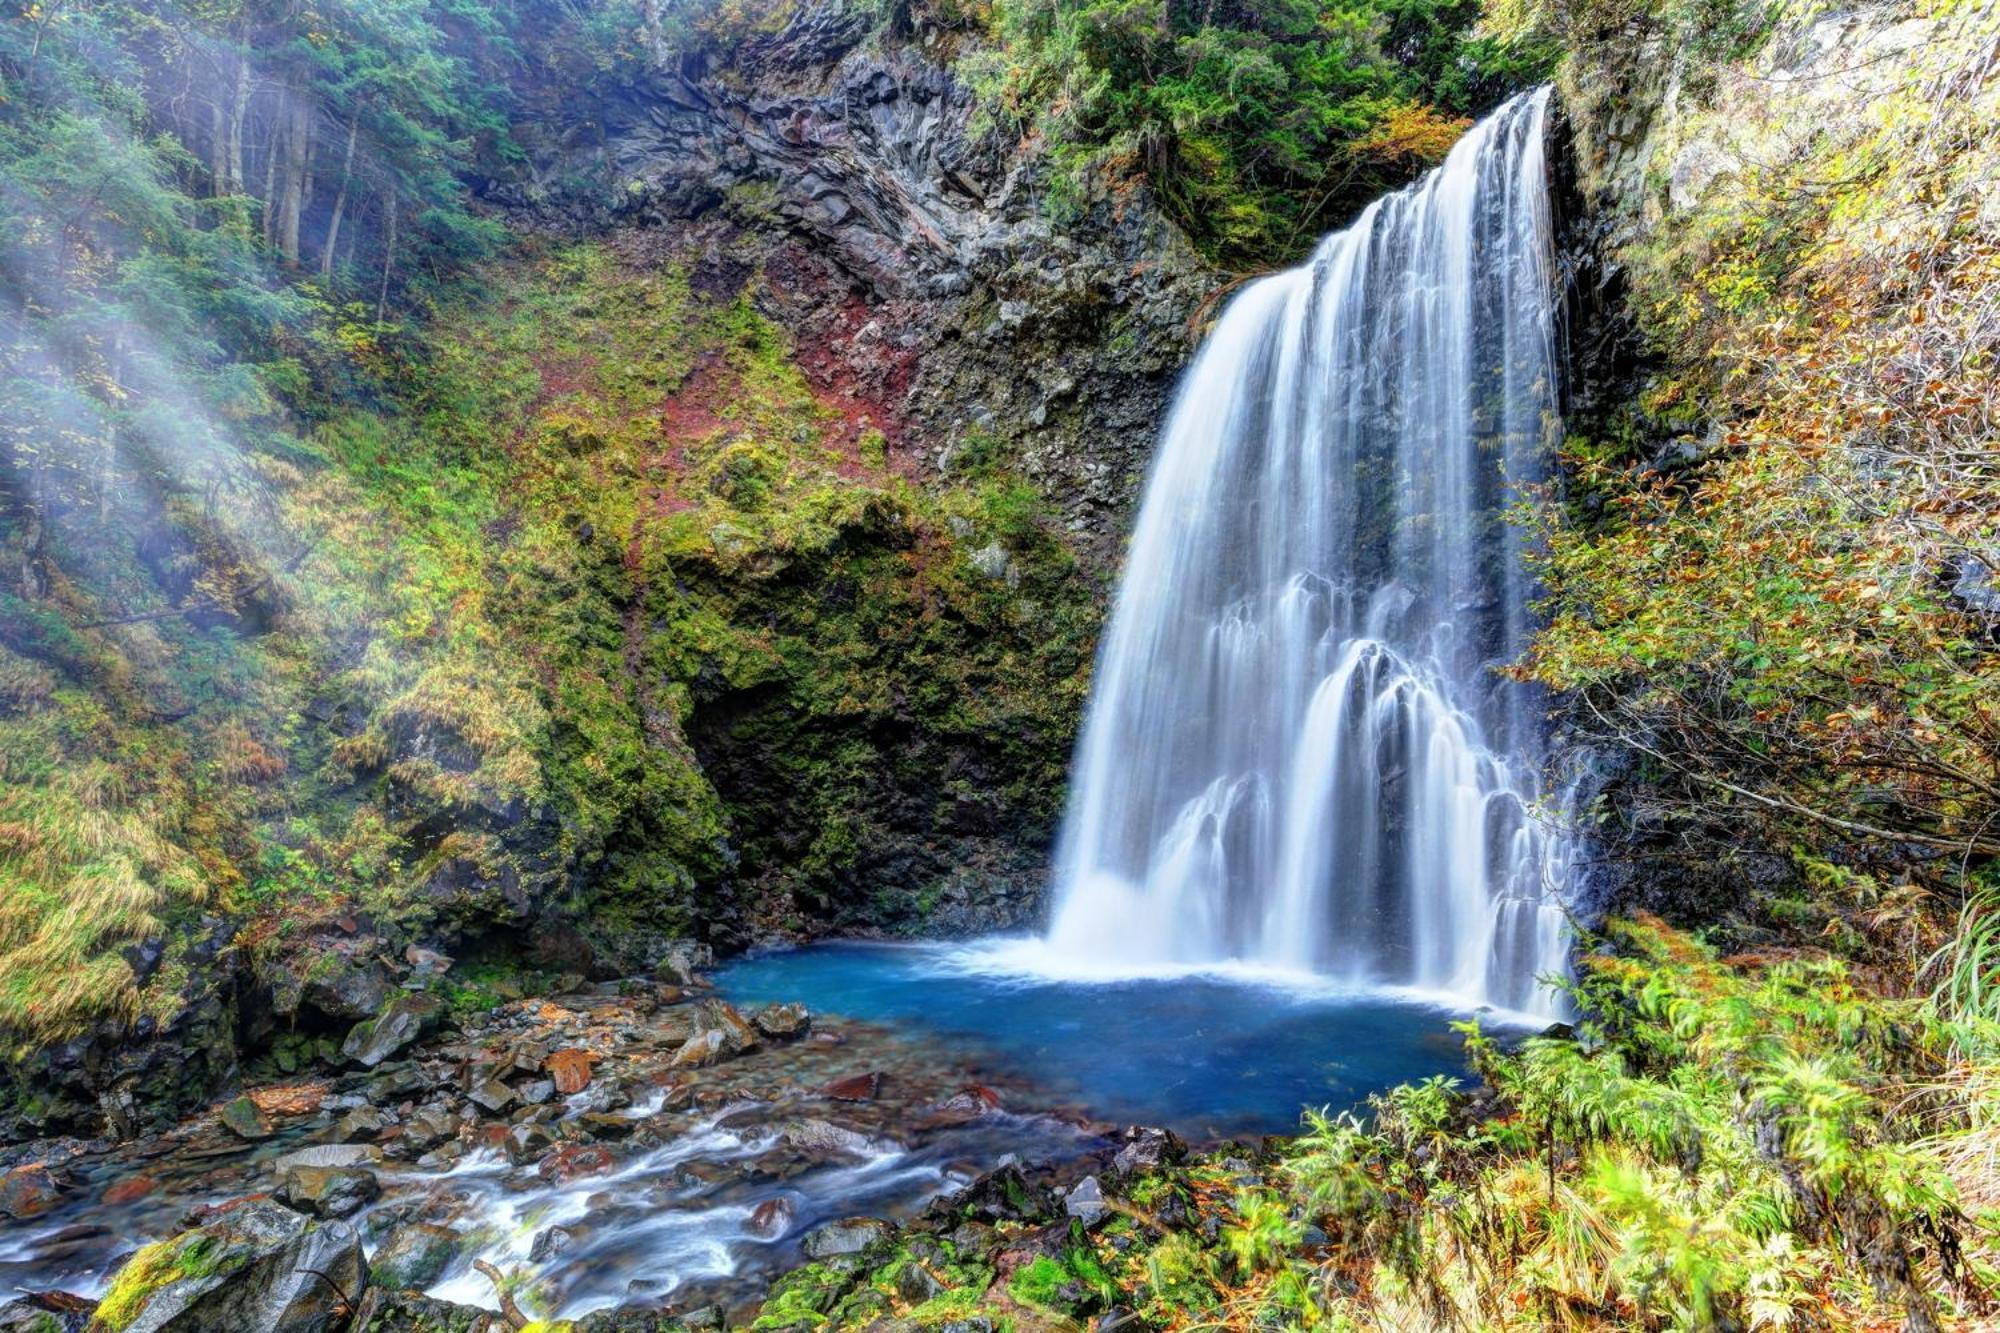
<point>1299,754</point>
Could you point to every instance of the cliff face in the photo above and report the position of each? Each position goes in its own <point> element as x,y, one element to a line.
<point>840,167</point>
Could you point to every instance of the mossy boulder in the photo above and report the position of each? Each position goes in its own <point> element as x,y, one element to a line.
<point>413,1256</point>
<point>253,1265</point>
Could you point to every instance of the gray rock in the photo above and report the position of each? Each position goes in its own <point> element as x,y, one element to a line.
<point>1147,1148</point>
<point>719,1032</point>
<point>413,1256</point>
<point>781,1021</point>
<point>245,1120</point>
<point>342,987</point>
<point>328,1155</point>
<point>383,1310</point>
<point>253,1268</point>
<point>825,1136</point>
<point>851,1236</point>
<point>492,1096</point>
<point>1085,1202</point>
<point>46,1312</point>
<point>405,1020</point>
<point>329,1191</point>
<point>364,1124</point>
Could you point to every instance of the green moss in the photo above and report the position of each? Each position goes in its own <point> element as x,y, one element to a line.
<point>178,1259</point>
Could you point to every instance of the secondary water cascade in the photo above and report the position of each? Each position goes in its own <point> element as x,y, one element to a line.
<point>1299,753</point>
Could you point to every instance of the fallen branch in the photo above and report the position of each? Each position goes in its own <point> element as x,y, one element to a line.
<point>508,1309</point>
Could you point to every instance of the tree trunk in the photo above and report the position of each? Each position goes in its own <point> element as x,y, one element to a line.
<point>107,480</point>
<point>239,108</point>
<point>270,194</point>
<point>326,252</point>
<point>218,150</point>
<point>297,140</point>
<point>388,260</point>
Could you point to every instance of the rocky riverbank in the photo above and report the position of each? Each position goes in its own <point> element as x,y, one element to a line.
<point>630,1154</point>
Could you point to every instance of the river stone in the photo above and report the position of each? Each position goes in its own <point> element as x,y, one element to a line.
<point>329,1191</point>
<point>1147,1148</point>
<point>573,1161</point>
<point>569,1067</point>
<point>364,1124</point>
<point>46,1312</point>
<point>722,1016</point>
<point>246,1120</point>
<point>383,1309</point>
<point>773,1217</point>
<point>328,1154</point>
<point>855,1088</point>
<point>28,1191</point>
<point>253,1268</point>
<point>703,1048</point>
<point>429,1126</point>
<point>781,1021</point>
<point>1085,1202</point>
<point>851,1236</point>
<point>376,1039</point>
<point>825,1136</point>
<point>413,1256</point>
<point>492,1096</point>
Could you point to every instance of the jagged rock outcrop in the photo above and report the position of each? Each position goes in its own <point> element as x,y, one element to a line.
<point>910,247</point>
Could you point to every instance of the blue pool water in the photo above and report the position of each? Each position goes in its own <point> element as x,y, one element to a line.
<point>1208,1055</point>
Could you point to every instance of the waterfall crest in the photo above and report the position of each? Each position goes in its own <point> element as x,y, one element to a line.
<point>1298,753</point>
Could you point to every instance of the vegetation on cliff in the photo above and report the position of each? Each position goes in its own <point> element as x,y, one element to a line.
<point>1774,584</point>
<point>1260,123</point>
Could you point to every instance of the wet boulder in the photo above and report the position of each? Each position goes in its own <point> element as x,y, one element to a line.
<point>570,1068</point>
<point>253,1267</point>
<point>328,1154</point>
<point>773,1217</point>
<point>364,1124</point>
<point>246,1120</point>
<point>851,1236</point>
<point>969,1103</point>
<point>491,1096</point>
<point>719,1032</point>
<point>406,1018</point>
<point>574,1161</point>
<point>385,1308</point>
<point>1148,1149</point>
<point>28,1191</point>
<point>45,1312</point>
<point>823,1136</point>
<point>413,1256</point>
<point>329,1191</point>
<point>782,1022</point>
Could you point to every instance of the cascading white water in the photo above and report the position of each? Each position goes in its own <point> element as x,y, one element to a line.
<point>1298,752</point>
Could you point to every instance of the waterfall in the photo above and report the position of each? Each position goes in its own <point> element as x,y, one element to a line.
<point>1298,751</point>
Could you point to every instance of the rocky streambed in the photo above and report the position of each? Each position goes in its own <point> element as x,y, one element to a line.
<point>627,1154</point>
